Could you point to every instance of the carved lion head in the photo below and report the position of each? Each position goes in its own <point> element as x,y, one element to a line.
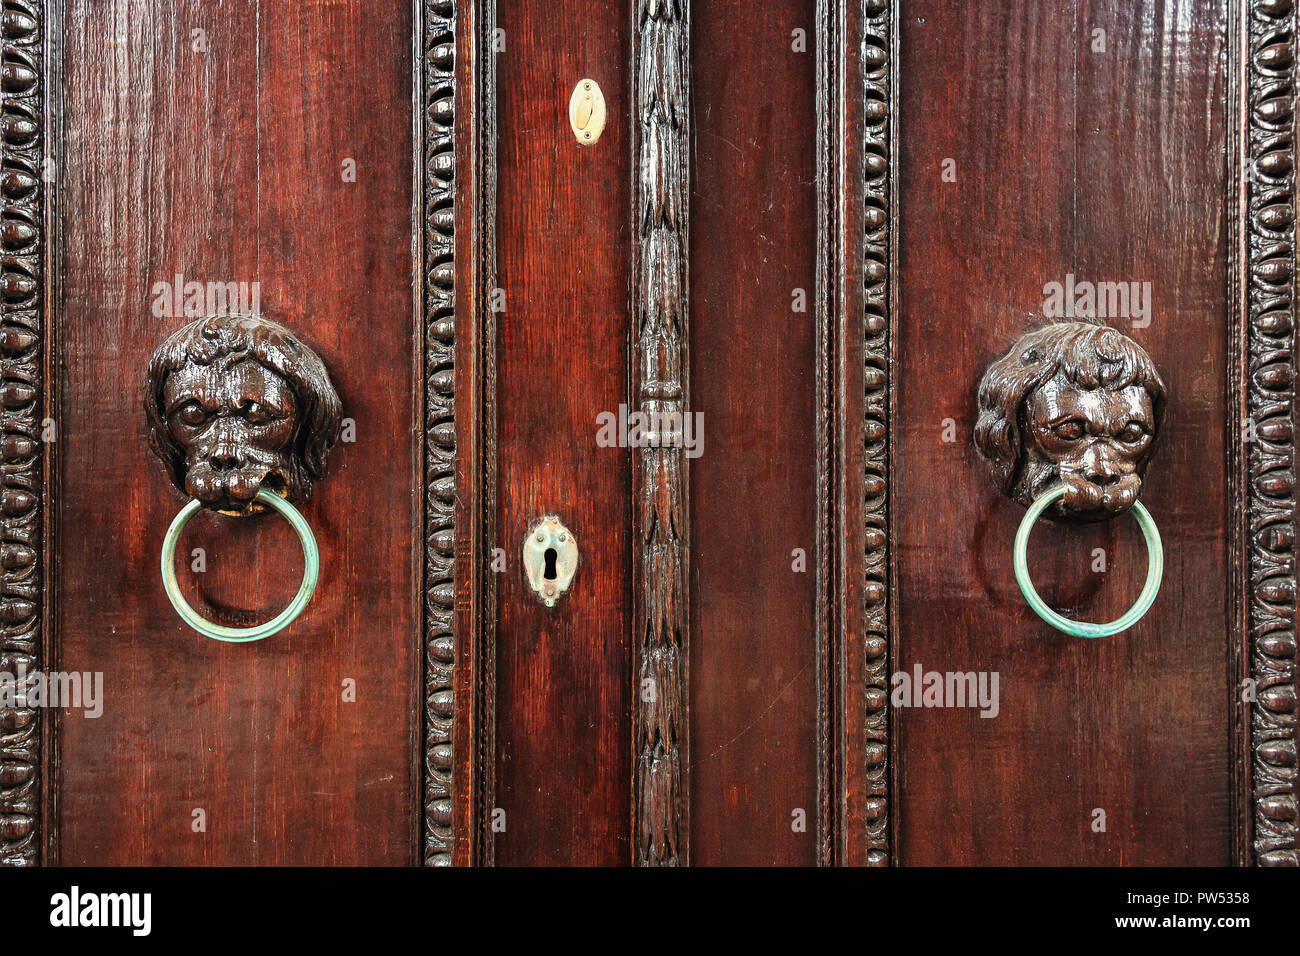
<point>237,403</point>
<point>1074,402</point>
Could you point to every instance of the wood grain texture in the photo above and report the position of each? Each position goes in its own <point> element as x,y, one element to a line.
<point>473,731</point>
<point>817,170</point>
<point>23,398</point>
<point>557,356</point>
<point>755,712</point>
<point>1107,165</point>
<point>227,164</point>
<point>1266,137</point>
<point>661,365</point>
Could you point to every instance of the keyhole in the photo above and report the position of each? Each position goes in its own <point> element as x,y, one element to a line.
<point>549,573</point>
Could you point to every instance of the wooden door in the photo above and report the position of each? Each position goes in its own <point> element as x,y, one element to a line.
<point>662,384</point>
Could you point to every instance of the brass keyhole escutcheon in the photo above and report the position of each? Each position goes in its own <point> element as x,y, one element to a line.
<point>550,558</point>
<point>587,112</point>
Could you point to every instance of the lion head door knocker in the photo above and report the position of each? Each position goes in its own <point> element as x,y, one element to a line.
<point>243,416</point>
<point>1068,420</point>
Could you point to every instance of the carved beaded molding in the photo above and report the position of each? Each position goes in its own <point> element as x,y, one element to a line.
<point>1269,140</point>
<point>22,349</point>
<point>438,122</point>
<point>877,52</point>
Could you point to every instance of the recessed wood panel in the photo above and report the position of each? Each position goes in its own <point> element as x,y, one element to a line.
<point>1106,163</point>
<point>563,674</point>
<point>212,143</point>
<point>754,716</point>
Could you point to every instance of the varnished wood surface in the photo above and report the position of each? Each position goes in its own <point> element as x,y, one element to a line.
<point>1110,166</point>
<point>469,725</point>
<point>754,714</point>
<point>226,165</point>
<point>563,675</point>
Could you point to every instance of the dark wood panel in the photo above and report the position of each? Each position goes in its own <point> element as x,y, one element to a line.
<point>1109,166</point>
<point>227,165</point>
<point>755,728</point>
<point>563,702</point>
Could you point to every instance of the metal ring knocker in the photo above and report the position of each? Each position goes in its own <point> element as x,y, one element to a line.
<point>1155,572</point>
<point>242,635</point>
<point>232,399</point>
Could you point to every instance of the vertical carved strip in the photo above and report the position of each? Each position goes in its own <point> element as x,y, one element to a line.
<point>1270,250</point>
<point>439,322</point>
<point>877,52</point>
<point>828,54</point>
<point>485,214</point>
<point>660,366</point>
<point>22,277</point>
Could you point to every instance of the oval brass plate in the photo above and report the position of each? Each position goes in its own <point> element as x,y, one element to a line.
<point>587,112</point>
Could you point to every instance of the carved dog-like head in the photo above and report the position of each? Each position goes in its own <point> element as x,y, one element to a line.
<point>235,403</point>
<point>1074,402</point>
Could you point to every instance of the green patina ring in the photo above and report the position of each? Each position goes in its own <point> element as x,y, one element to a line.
<point>242,635</point>
<point>1155,572</point>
